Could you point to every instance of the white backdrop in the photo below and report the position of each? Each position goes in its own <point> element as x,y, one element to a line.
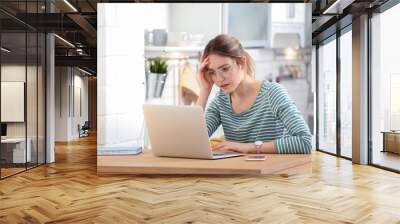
<point>120,82</point>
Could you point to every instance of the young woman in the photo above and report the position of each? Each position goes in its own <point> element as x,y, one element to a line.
<point>257,116</point>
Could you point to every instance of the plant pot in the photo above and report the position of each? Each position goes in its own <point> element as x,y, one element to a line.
<point>155,83</point>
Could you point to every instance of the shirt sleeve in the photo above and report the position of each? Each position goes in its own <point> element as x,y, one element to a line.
<point>213,118</point>
<point>298,140</point>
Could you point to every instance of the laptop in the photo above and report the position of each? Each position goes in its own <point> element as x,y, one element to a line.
<point>180,131</point>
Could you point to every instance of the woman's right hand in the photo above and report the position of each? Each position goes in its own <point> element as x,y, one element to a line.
<point>205,82</point>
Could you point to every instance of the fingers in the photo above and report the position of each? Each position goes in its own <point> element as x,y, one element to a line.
<point>224,146</point>
<point>205,59</point>
<point>205,81</point>
<point>218,146</point>
<point>208,78</point>
<point>203,66</point>
<point>204,63</point>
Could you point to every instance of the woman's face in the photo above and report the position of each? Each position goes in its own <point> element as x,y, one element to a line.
<point>225,72</point>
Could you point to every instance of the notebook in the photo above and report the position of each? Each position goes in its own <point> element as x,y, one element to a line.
<point>110,151</point>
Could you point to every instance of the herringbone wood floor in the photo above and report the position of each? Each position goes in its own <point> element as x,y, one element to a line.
<point>69,191</point>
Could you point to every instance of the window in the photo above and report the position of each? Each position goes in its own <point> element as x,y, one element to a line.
<point>327,97</point>
<point>346,94</point>
<point>385,89</point>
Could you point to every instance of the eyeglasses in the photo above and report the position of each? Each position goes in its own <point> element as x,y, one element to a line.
<point>224,71</point>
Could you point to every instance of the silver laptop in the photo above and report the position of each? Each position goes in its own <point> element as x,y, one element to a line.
<point>180,131</point>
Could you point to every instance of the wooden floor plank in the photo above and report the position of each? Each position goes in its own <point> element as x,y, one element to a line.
<point>69,191</point>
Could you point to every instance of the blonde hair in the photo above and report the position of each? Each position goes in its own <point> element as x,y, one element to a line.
<point>229,46</point>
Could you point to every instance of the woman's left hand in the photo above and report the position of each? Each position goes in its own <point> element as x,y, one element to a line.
<point>244,148</point>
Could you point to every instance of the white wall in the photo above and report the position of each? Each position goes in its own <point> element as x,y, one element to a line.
<point>61,103</point>
<point>120,79</point>
<point>80,109</point>
<point>67,80</point>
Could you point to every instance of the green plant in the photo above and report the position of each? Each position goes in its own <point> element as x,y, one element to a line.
<point>158,65</point>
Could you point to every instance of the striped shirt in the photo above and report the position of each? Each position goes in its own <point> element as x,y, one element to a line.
<point>272,117</point>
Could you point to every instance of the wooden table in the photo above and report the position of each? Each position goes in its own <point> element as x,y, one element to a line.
<point>146,163</point>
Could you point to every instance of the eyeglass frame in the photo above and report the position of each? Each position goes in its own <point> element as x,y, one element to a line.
<point>220,72</point>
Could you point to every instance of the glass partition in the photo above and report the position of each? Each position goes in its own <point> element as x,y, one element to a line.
<point>22,88</point>
<point>14,153</point>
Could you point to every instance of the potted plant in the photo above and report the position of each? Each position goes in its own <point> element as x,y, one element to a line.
<point>155,80</point>
<point>158,66</point>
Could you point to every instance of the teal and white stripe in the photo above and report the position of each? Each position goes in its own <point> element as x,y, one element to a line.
<point>272,117</point>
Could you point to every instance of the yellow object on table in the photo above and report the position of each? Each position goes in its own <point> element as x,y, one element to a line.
<point>213,142</point>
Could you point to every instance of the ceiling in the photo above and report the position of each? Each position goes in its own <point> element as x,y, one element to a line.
<point>329,16</point>
<point>76,24</point>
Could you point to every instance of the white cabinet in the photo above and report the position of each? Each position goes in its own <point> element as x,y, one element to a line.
<point>249,22</point>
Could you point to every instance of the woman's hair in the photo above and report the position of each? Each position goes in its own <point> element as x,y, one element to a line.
<point>226,45</point>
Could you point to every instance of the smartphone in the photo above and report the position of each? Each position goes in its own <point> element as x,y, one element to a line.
<point>256,157</point>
